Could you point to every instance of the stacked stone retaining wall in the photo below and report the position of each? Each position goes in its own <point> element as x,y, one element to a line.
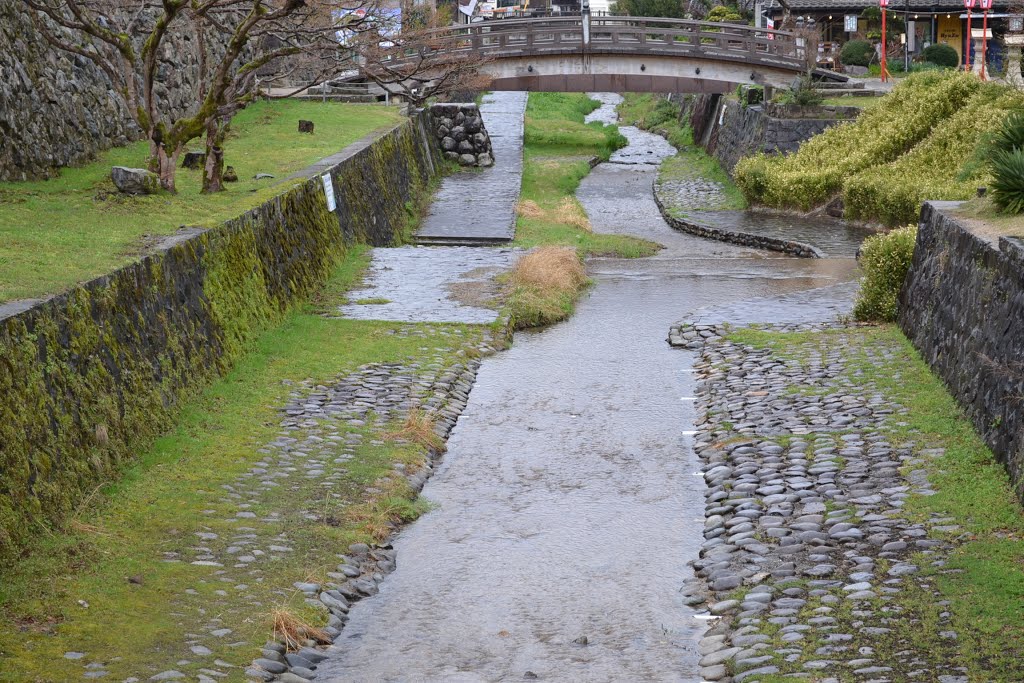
<point>962,306</point>
<point>730,131</point>
<point>90,377</point>
<point>460,131</point>
<point>60,109</point>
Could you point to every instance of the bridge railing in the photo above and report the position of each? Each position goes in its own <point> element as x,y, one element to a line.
<point>632,35</point>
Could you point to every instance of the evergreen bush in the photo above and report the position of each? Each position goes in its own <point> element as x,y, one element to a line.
<point>942,166</point>
<point>818,170</point>
<point>941,54</point>
<point>885,260</point>
<point>857,53</point>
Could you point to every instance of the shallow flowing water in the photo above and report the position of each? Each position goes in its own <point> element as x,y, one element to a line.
<point>568,505</point>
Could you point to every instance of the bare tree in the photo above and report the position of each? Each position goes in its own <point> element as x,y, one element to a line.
<point>270,41</point>
<point>236,39</point>
<point>427,59</point>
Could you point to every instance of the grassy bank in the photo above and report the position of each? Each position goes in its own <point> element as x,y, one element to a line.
<point>656,114</point>
<point>983,579</point>
<point>107,586</point>
<point>59,232</point>
<point>558,147</point>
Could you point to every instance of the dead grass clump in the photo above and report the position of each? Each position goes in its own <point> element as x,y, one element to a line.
<point>530,209</point>
<point>294,632</point>
<point>550,269</point>
<point>418,428</point>
<point>570,212</point>
<point>545,284</point>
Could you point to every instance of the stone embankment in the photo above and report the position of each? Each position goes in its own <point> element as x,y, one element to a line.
<point>810,566</point>
<point>461,133</point>
<point>150,334</point>
<point>59,109</point>
<point>723,234</point>
<point>962,306</point>
<point>316,426</point>
<point>729,130</point>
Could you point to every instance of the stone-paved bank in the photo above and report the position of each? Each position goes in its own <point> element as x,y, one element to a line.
<point>316,430</point>
<point>810,566</point>
<point>320,470</point>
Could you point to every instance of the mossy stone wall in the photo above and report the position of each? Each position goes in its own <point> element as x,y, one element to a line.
<point>729,131</point>
<point>962,305</point>
<point>91,377</point>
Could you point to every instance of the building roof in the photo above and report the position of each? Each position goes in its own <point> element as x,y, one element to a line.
<point>895,5</point>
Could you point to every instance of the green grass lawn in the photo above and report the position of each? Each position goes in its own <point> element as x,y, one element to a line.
<point>73,593</point>
<point>557,148</point>
<point>59,232</point>
<point>853,101</point>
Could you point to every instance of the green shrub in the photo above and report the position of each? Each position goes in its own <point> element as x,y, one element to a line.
<point>1008,181</point>
<point>1010,133</point>
<point>942,166</point>
<point>817,171</point>
<point>857,53</point>
<point>804,94</point>
<point>885,260</point>
<point>941,54</point>
<point>722,14</point>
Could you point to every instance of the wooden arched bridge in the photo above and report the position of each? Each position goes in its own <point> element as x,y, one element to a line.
<point>629,54</point>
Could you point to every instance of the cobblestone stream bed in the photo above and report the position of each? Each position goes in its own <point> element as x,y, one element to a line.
<point>566,508</point>
<point>809,565</point>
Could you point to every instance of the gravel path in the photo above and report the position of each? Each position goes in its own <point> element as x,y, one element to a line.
<point>808,560</point>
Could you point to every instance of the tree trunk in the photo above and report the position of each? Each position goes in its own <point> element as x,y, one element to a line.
<point>168,167</point>
<point>213,173</point>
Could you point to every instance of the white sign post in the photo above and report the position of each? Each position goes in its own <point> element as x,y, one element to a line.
<point>329,191</point>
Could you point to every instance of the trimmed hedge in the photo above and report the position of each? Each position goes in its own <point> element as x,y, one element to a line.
<point>941,54</point>
<point>857,53</point>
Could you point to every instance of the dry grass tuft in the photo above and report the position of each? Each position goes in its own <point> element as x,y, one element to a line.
<point>545,284</point>
<point>570,212</point>
<point>550,269</point>
<point>419,429</point>
<point>530,209</point>
<point>83,528</point>
<point>293,631</point>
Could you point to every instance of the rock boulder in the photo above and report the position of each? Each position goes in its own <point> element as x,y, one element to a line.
<point>135,180</point>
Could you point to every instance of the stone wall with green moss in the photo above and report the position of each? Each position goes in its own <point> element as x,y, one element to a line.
<point>89,378</point>
<point>962,305</point>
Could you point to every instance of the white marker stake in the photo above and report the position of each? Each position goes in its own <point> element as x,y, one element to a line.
<point>329,191</point>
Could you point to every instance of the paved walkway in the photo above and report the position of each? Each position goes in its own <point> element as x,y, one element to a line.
<point>478,206</point>
<point>431,284</point>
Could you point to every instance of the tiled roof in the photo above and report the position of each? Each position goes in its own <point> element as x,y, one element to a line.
<point>844,5</point>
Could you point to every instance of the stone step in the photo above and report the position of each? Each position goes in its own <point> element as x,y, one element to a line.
<point>850,93</point>
<point>461,241</point>
<point>848,85</point>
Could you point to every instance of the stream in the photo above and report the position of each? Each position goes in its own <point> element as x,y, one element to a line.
<point>569,503</point>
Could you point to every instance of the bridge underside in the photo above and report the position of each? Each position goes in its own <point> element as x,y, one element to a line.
<point>631,73</point>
